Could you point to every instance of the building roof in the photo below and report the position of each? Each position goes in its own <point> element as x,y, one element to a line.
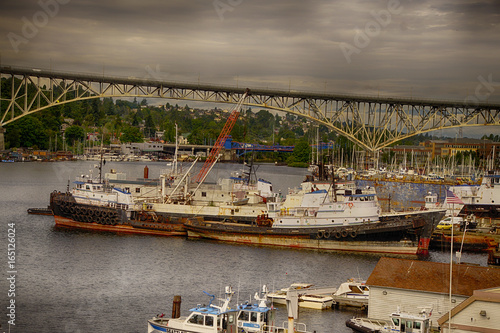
<point>432,276</point>
<point>488,295</point>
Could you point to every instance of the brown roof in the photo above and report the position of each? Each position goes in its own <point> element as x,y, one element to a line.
<point>432,276</point>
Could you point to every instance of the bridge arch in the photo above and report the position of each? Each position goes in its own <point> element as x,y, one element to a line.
<point>370,122</point>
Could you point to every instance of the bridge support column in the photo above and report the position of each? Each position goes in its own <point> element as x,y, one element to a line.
<point>2,139</point>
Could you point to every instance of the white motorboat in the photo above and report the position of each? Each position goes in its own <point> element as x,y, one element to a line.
<point>399,322</point>
<point>306,299</point>
<point>353,292</point>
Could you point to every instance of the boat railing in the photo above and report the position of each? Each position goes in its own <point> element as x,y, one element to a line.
<point>303,211</point>
<point>374,322</point>
<point>299,328</point>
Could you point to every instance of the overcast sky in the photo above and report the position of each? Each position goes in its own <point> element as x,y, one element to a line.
<point>440,49</point>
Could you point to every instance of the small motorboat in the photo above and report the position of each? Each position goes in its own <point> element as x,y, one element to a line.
<point>307,299</point>
<point>398,322</point>
<point>354,292</point>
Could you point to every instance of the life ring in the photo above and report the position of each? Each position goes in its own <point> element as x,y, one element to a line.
<point>326,234</point>
<point>350,204</point>
<point>353,234</point>
<point>344,233</point>
<point>338,235</point>
<point>321,234</point>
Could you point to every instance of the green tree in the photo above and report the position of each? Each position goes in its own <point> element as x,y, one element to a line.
<point>131,134</point>
<point>73,134</point>
<point>28,132</point>
<point>150,127</point>
<point>301,153</point>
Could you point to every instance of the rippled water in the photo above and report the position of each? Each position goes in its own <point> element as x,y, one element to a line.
<point>75,281</point>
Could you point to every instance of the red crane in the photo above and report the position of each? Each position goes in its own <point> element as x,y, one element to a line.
<point>214,153</point>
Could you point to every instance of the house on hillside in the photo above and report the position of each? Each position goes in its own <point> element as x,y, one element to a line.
<point>478,313</point>
<point>414,285</point>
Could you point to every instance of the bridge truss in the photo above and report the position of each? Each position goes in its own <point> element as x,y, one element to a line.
<point>370,122</point>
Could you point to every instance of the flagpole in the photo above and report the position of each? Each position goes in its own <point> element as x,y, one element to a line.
<point>452,198</point>
<point>451,270</point>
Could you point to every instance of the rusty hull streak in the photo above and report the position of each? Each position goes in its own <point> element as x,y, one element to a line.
<point>69,223</point>
<point>307,243</point>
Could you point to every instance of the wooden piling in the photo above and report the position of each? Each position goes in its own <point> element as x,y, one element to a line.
<point>176,307</point>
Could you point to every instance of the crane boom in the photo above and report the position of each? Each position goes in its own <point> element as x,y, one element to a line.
<point>212,157</point>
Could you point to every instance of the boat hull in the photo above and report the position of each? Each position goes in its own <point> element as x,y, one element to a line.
<point>119,228</point>
<point>351,301</point>
<point>306,302</point>
<point>466,242</point>
<point>70,214</point>
<point>481,210</point>
<point>397,235</point>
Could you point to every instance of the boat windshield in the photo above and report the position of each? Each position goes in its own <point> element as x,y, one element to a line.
<point>200,319</point>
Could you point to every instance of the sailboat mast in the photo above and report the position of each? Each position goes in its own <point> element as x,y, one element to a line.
<point>176,150</point>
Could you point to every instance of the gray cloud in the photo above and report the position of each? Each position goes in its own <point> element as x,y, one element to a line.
<point>432,49</point>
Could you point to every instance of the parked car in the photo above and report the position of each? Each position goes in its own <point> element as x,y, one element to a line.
<point>446,223</point>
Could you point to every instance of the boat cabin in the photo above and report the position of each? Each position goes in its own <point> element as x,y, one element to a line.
<point>409,323</point>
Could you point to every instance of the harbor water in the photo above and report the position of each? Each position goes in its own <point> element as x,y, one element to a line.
<point>63,280</point>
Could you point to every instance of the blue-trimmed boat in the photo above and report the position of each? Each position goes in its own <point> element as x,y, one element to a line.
<point>243,318</point>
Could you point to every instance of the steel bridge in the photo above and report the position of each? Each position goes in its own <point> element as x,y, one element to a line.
<point>370,122</point>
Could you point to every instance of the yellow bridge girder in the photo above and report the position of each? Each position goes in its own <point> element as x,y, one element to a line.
<point>370,122</point>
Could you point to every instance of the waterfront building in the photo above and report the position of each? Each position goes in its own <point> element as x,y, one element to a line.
<point>478,313</point>
<point>412,285</point>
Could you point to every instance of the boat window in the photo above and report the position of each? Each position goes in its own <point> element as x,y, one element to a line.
<point>209,321</point>
<point>203,194</point>
<point>395,321</point>
<point>87,187</point>
<point>243,316</point>
<point>137,190</point>
<point>409,324</point>
<point>356,289</point>
<point>417,325</point>
<point>230,318</point>
<point>254,316</point>
<point>196,319</point>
